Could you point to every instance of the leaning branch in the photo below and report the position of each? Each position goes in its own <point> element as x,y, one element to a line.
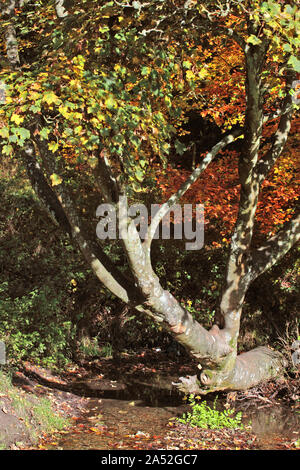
<point>42,189</point>
<point>11,42</point>
<point>275,248</point>
<point>265,164</point>
<point>103,268</point>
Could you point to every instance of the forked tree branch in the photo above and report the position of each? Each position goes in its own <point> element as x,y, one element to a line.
<point>164,209</point>
<point>265,164</point>
<point>264,257</point>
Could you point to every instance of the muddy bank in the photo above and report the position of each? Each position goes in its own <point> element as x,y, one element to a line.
<point>28,411</point>
<point>13,432</point>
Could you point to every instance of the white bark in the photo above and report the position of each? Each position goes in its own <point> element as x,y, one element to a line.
<point>60,9</point>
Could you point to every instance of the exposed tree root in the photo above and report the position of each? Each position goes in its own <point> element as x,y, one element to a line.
<point>250,369</point>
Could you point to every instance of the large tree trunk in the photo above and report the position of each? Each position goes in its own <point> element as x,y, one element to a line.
<point>233,371</point>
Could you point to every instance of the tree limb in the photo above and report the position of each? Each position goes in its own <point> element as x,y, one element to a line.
<point>164,209</point>
<point>10,35</point>
<point>43,190</point>
<point>61,12</point>
<point>105,180</point>
<point>264,257</point>
<point>265,164</point>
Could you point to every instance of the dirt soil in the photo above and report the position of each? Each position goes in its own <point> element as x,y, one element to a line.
<point>18,426</point>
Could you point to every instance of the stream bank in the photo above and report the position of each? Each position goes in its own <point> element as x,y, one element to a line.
<point>26,412</point>
<point>130,403</point>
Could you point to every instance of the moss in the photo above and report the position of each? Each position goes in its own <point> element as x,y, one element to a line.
<point>209,373</point>
<point>233,343</point>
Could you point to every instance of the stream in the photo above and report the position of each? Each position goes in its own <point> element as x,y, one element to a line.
<point>138,416</point>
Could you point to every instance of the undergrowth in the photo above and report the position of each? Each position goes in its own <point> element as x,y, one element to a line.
<point>203,416</point>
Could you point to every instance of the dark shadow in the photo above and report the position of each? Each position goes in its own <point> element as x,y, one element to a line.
<point>126,379</point>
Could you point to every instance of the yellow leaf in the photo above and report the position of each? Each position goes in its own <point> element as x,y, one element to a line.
<point>50,97</point>
<point>190,75</point>
<point>34,95</point>
<point>203,73</point>
<point>94,429</point>
<point>17,118</point>
<point>53,146</point>
<point>110,102</point>
<point>64,110</point>
<point>55,179</point>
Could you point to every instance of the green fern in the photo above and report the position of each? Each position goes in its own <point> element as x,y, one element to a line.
<point>203,416</point>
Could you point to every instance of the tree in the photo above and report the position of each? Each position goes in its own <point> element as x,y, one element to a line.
<point>108,80</point>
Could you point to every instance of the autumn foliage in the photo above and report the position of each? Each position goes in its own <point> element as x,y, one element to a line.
<point>219,189</point>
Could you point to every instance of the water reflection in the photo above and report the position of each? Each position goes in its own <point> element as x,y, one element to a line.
<point>278,420</point>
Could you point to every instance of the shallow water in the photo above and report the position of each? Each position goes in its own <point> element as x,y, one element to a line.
<point>273,423</point>
<point>121,424</point>
<point>119,417</point>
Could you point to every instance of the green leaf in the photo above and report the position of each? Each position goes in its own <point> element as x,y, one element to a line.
<point>287,48</point>
<point>139,174</point>
<point>7,149</point>
<point>186,64</point>
<point>4,133</point>
<point>44,133</point>
<point>34,108</point>
<point>253,40</point>
<point>23,133</point>
<point>295,63</point>
<point>145,71</point>
<point>13,139</point>
<point>179,147</point>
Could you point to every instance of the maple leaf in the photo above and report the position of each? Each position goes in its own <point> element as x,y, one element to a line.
<point>51,98</point>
